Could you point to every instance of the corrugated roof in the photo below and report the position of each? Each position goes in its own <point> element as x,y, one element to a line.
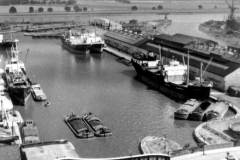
<point>124,37</point>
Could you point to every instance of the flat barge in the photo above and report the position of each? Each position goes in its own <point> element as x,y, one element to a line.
<point>78,126</point>
<point>96,125</point>
<point>186,109</point>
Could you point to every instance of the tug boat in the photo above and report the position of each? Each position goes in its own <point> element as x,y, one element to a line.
<point>171,79</point>
<point>17,82</point>
<point>216,111</point>
<point>78,126</point>
<point>186,109</point>
<point>198,113</point>
<point>29,132</point>
<point>97,126</point>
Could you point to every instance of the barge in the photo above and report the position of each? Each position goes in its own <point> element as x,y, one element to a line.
<point>96,125</point>
<point>198,113</point>
<point>78,126</point>
<point>186,109</point>
<point>216,111</point>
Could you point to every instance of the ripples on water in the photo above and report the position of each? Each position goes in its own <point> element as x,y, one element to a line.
<point>101,85</point>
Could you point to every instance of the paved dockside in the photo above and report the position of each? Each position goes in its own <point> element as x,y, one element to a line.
<point>218,154</point>
<point>118,53</point>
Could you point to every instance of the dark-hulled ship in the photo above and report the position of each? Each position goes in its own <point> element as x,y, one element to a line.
<point>6,43</point>
<point>83,43</point>
<point>171,79</point>
<point>17,82</point>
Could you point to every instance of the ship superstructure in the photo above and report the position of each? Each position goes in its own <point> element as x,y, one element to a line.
<point>83,42</point>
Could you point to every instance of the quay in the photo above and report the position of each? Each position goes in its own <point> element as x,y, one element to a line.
<point>122,57</point>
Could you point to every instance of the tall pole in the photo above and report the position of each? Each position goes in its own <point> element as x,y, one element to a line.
<point>160,54</point>
<point>201,72</point>
<point>188,67</point>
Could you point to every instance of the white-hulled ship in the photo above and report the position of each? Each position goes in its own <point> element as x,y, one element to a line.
<point>17,82</point>
<point>82,43</point>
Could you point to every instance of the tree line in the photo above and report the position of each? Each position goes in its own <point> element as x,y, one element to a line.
<point>16,2</point>
<point>75,8</point>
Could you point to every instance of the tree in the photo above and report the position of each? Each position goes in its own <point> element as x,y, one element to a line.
<point>31,10</point>
<point>200,6</point>
<point>133,21</point>
<point>12,10</point>
<point>40,9</point>
<point>77,8</point>
<point>50,9</point>
<point>85,9</point>
<point>160,7</point>
<point>67,8</point>
<point>71,2</point>
<point>134,8</point>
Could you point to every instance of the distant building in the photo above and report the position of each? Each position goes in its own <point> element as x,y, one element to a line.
<point>106,24</point>
<point>221,65</point>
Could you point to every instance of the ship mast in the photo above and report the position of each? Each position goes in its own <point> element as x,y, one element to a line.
<point>201,65</point>
<point>187,66</point>
<point>160,54</point>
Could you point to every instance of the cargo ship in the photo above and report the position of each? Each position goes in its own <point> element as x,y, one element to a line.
<point>17,82</point>
<point>220,64</point>
<point>171,79</point>
<point>82,42</point>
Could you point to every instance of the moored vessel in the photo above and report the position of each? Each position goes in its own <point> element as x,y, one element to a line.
<point>171,79</point>
<point>198,113</point>
<point>186,109</point>
<point>78,126</point>
<point>96,125</point>
<point>37,92</point>
<point>17,82</point>
<point>216,111</point>
<point>82,42</point>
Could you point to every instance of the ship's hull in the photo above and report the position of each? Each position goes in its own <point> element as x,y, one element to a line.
<point>175,91</point>
<point>7,45</point>
<point>19,95</point>
<point>95,48</point>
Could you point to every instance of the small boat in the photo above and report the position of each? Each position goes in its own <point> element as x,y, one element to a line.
<point>97,126</point>
<point>37,93</point>
<point>216,111</point>
<point>197,114</point>
<point>78,126</point>
<point>29,132</point>
<point>186,109</point>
